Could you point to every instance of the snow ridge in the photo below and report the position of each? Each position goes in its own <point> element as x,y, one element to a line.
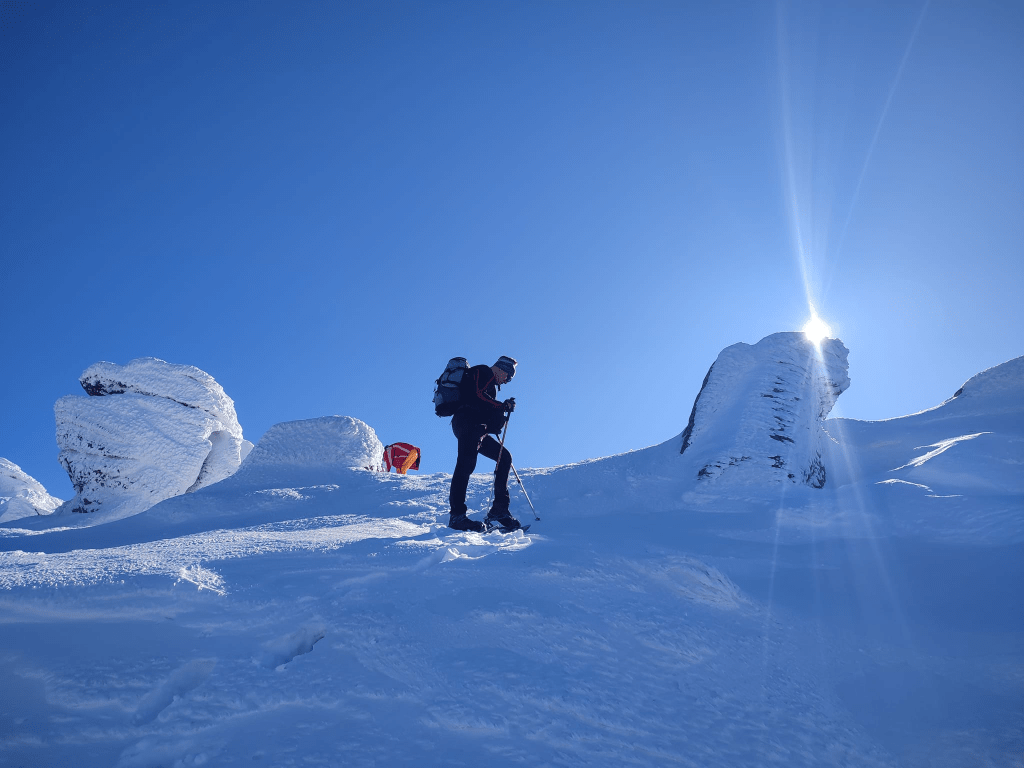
<point>996,389</point>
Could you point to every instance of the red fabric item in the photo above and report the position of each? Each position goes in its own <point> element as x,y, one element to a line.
<point>396,454</point>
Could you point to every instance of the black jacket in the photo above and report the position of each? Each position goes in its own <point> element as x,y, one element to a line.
<point>477,398</point>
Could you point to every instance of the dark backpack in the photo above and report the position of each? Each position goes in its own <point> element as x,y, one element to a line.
<point>446,391</point>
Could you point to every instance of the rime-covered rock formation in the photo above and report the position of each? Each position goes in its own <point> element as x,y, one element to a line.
<point>22,495</point>
<point>758,416</point>
<point>315,448</point>
<point>149,430</point>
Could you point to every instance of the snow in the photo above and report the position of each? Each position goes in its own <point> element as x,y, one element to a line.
<point>312,445</point>
<point>148,431</point>
<point>306,611</point>
<point>185,384</point>
<point>22,495</point>
<point>758,417</point>
<point>958,465</point>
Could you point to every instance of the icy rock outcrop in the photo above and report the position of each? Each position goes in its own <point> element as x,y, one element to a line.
<point>149,430</point>
<point>313,446</point>
<point>22,495</point>
<point>758,416</point>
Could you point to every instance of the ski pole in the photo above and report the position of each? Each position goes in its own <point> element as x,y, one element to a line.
<point>503,433</point>
<point>518,479</point>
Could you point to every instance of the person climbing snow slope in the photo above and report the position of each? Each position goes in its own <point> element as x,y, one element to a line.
<point>479,416</point>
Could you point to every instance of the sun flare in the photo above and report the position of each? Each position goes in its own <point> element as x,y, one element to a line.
<point>816,329</point>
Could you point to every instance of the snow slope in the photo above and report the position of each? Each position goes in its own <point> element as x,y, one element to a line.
<point>954,472</point>
<point>302,612</point>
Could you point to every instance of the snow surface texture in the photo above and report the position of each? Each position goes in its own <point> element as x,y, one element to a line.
<point>148,431</point>
<point>315,614</point>
<point>758,416</point>
<point>22,495</point>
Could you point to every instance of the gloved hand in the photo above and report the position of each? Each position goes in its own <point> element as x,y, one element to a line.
<point>510,405</point>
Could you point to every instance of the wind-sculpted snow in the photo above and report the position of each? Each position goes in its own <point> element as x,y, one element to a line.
<point>184,384</point>
<point>149,430</point>
<point>758,417</point>
<point>127,452</point>
<point>22,495</point>
<point>313,445</point>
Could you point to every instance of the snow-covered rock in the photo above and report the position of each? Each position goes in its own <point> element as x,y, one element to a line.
<point>758,417</point>
<point>149,430</point>
<point>313,447</point>
<point>185,384</point>
<point>22,495</point>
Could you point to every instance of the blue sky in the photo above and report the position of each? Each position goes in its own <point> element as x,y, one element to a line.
<point>319,204</point>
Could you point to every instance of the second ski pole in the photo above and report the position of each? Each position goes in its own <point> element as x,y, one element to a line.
<point>518,479</point>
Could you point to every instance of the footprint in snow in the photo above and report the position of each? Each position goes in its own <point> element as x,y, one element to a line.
<point>278,652</point>
<point>182,680</point>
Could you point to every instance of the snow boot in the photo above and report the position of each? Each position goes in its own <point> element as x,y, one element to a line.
<point>501,520</point>
<point>463,523</point>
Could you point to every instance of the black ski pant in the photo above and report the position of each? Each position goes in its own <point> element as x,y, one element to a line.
<point>473,439</point>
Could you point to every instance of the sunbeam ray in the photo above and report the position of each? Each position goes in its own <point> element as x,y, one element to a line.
<point>874,141</point>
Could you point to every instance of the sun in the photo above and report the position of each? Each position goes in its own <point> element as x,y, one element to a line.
<point>816,329</point>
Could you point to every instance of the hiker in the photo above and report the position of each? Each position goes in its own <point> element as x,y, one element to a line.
<point>478,416</point>
<point>401,456</point>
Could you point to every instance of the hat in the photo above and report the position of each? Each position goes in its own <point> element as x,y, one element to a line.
<point>506,364</point>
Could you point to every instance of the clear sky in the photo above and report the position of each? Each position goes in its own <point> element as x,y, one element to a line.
<point>320,203</point>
